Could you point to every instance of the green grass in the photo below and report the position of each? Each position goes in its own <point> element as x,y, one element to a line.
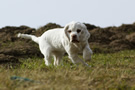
<point>109,71</point>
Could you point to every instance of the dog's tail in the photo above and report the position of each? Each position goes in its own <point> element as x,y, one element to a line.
<point>27,36</point>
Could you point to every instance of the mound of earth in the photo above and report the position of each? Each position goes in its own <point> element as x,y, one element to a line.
<point>113,39</point>
<point>102,40</point>
<point>48,26</point>
<point>12,47</point>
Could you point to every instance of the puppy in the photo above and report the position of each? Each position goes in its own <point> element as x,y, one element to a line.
<point>72,39</point>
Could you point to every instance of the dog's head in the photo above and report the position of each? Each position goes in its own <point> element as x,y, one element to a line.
<point>76,32</point>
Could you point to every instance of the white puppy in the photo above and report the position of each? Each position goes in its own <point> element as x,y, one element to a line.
<point>72,39</point>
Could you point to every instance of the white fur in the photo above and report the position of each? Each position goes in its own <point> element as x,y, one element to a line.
<point>57,42</point>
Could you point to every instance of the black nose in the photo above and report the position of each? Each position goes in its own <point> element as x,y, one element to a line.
<point>74,36</point>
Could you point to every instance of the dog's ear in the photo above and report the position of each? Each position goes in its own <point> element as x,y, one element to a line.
<point>66,33</point>
<point>85,35</point>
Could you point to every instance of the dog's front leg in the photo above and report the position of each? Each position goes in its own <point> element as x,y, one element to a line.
<point>76,60</point>
<point>87,53</point>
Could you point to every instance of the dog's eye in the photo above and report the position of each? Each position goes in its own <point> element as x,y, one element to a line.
<point>78,30</point>
<point>69,31</point>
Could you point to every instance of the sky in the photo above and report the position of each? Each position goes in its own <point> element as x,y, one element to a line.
<point>37,13</point>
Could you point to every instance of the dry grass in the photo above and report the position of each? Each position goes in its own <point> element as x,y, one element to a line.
<point>109,71</point>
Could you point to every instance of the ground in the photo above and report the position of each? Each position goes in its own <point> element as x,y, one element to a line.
<point>109,71</point>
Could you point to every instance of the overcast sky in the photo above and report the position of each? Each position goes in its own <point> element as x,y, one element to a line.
<point>36,13</point>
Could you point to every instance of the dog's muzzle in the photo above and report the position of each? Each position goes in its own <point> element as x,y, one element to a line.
<point>74,39</point>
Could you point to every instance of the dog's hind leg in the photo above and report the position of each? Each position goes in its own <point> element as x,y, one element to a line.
<point>57,59</point>
<point>47,59</point>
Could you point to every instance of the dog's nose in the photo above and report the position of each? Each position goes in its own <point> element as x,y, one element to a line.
<point>74,36</point>
<point>74,39</point>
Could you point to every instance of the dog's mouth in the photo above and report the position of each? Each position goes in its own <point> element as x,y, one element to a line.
<point>75,41</point>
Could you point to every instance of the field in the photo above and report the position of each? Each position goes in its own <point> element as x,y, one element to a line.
<point>112,71</point>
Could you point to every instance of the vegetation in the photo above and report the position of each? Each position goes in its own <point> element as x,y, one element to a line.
<point>114,71</point>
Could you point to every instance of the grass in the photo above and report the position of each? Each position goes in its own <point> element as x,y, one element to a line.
<point>114,71</point>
